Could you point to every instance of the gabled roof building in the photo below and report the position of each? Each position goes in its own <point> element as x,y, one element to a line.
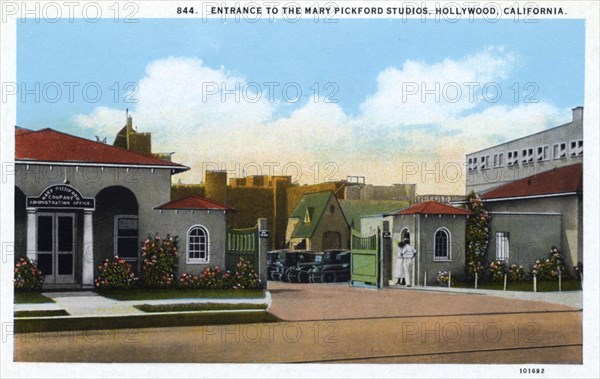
<point>318,223</point>
<point>533,188</point>
<point>435,230</point>
<point>78,202</point>
<point>530,215</point>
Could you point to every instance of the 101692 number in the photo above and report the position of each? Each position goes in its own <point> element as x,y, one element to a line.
<point>531,371</point>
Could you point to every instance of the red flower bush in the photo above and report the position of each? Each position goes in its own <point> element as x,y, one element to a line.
<point>477,235</point>
<point>115,274</point>
<point>497,269</point>
<point>187,281</point>
<point>217,279</point>
<point>27,275</point>
<point>160,261</point>
<point>245,276</point>
<point>515,273</point>
<point>549,268</point>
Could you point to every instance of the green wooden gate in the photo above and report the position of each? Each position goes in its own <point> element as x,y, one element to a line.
<point>365,259</point>
<point>241,243</point>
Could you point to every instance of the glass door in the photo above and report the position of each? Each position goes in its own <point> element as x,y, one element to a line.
<point>45,245</point>
<point>65,247</point>
<point>56,247</point>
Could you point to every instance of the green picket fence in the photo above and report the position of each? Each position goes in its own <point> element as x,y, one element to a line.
<point>241,243</point>
<point>365,252</point>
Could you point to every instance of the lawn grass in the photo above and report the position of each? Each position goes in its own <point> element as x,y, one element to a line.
<point>158,294</point>
<point>31,298</point>
<point>526,286</point>
<point>48,313</point>
<point>142,321</point>
<point>198,307</point>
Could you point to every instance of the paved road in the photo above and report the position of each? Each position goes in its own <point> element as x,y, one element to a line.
<point>361,326</point>
<point>339,301</point>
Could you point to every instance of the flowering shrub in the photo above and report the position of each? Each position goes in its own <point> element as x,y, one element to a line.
<point>477,235</point>
<point>548,269</point>
<point>160,261</point>
<point>215,279</point>
<point>245,277</point>
<point>115,274</point>
<point>475,267</point>
<point>442,279</point>
<point>497,270</point>
<point>515,273</point>
<point>27,275</point>
<point>188,281</point>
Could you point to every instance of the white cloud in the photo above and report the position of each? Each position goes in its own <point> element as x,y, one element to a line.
<point>424,93</point>
<point>104,121</point>
<point>200,127</point>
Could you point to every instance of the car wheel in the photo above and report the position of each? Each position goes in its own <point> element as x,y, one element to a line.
<point>302,277</point>
<point>290,277</point>
<point>328,277</point>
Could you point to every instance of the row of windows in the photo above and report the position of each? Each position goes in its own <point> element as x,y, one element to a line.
<point>527,155</point>
<point>197,245</point>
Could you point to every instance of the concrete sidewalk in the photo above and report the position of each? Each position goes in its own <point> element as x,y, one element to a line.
<point>91,304</point>
<point>569,298</point>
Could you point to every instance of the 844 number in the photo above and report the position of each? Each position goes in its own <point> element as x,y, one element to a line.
<point>185,10</point>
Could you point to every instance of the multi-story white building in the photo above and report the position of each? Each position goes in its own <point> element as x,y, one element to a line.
<point>526,156</point>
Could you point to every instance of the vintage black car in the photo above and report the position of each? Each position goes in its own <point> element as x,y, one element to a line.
<point>286,259</point>
<point>272,262</point>
<point>333,267</point>
<point>299,273</point>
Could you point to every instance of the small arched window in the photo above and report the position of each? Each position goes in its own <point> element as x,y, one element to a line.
<point>197,245</point>
<point>441,245</point>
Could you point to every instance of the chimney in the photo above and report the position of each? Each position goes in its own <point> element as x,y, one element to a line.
<point>578,114</point>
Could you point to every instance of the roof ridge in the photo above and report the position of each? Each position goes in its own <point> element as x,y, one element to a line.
<point>552,181</point>
<point>107,145</point>
<point>82,143</point>
<point>203,199</point>
<point>427,206</point>
<point>206,198</point>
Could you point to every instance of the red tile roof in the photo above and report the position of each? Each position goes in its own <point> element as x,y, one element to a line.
<point>432,207</point>
<point>19,131</point>
<point>566,179</point>
<point>194,202</point>
<point>48,145</point>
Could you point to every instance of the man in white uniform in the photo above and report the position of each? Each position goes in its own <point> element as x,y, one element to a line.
<point>399,269</point>
<point>408,255</point>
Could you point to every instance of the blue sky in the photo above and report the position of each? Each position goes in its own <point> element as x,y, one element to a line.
<point>361,56</point>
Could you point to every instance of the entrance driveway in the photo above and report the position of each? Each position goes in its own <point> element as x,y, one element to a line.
<point>337,323</point>
<point>338,301</point>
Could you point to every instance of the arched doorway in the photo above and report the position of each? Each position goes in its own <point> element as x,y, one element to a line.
<point>116,227</point>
